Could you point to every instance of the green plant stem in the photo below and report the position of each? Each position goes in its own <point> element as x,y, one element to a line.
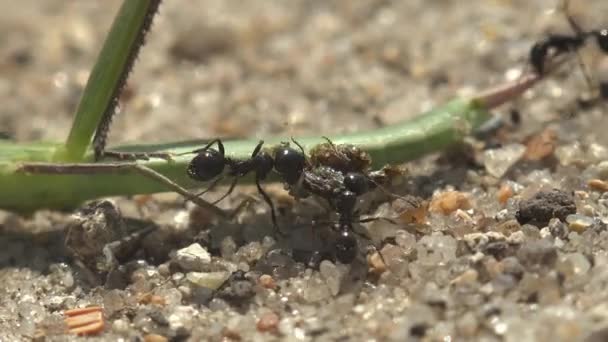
<point>24,190</point>
<point>107,77</point>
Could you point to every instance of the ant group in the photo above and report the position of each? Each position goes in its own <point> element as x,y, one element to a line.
<point>559,44</point>
<point>338,174</point>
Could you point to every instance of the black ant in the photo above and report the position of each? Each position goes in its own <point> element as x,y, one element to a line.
<point>558,44</point>
<point>209,163</point>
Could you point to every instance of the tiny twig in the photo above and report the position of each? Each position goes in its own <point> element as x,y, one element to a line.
<point>118,168</point>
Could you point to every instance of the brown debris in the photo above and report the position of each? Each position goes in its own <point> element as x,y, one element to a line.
<point>504,193</point>
<point>268,322</point>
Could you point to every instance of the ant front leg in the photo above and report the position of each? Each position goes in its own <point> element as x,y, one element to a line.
<point>217,141</point>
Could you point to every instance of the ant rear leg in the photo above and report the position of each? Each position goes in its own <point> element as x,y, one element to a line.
<point>268,200</point>
<point>209,188</point>
<point>230,190</point>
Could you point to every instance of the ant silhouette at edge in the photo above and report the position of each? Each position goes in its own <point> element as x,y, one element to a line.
<point>337,173</point>
<point>559,44</point>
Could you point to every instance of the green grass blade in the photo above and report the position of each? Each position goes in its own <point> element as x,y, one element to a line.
<point>105,82</point>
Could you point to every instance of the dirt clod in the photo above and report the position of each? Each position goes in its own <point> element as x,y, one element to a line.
<point>544,206</point>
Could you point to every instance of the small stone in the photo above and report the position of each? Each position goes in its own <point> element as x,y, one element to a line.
<point>449,201</point>
<point>332,276</point>
<point>267,281</point>
<point>542,145</point>
<point>579,223</point>
<point>193,257</point>
<point>544,206</point>
<point>155,338</point>
<point>574,264</point>
<point>436,249</point>
<point>504,193</point>
<point>376,263</point>
<point>468,277</point>
<point>499,161</point>
<point>598,184</point>
<point>120,326</point>
<point>537,253</point>
<point>268,322</point>
<point>210,280</point>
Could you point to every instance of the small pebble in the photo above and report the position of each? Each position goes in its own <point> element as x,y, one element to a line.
<point>211,280</point>
<point>542,145</point>
<point>579,223</point>
<point>155,338</point>
<point>598,184</point>
<point>268,322</point>
<point>376,264</point>
<point>499,161</point>
<point>504,193</point>
<point>449,201</point>
<point>193,257</point>
<point>267,282</point>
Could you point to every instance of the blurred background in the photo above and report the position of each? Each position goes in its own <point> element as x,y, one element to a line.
<point>234,68</point>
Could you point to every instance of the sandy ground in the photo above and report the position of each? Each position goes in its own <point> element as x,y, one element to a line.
<point>490,271</point>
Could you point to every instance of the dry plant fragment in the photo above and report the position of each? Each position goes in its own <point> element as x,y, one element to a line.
<point>85,321</point>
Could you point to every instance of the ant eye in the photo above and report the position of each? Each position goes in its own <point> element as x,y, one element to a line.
<point>602,40</point>
<point>289,163</point>
<point>206,165</point>
<point>356,182</point>
<point>346,247</point>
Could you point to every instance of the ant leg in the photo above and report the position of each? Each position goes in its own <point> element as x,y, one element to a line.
<point>219,145</point>
<point>376,218</point>
<point>565,9</point>
<point>270,204</point>
<point>229,190</point>
<point>209,188</point>
<point>257,148</point>
<point>301,150</point>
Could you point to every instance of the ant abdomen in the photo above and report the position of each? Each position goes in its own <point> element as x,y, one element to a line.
<point>206,165</point>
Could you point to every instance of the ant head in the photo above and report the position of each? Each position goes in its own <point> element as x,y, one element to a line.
<point>346,246</point>
<point>602,40</point>
<point>356,182</point>
<point>207,164</point>
<point>289,163</point>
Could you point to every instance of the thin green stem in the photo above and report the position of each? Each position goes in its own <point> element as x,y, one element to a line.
<point>107,78</point>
